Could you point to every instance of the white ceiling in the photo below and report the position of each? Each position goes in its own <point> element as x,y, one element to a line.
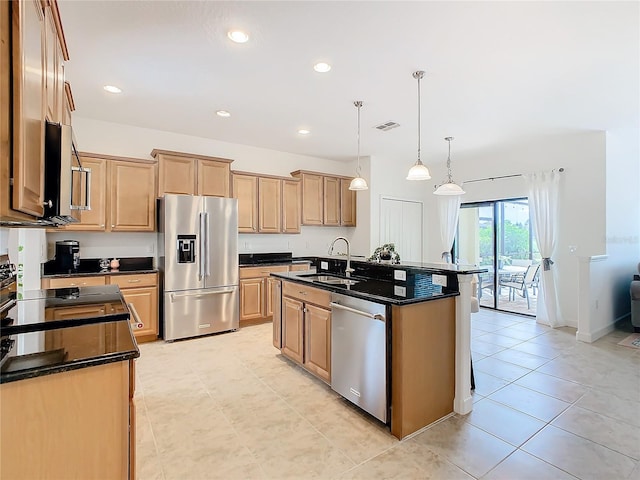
<point>495,71</point>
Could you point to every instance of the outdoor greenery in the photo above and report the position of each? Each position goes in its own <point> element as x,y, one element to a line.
<point>516,242</point>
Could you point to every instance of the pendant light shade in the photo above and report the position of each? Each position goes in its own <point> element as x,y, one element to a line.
<point>358,183</point>
<point>419,171</point>
<point>449,187</point>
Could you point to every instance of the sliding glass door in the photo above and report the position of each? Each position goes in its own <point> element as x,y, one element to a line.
<point>497,236</point>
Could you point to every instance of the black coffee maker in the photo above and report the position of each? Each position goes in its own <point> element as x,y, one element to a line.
<point>67,255</point>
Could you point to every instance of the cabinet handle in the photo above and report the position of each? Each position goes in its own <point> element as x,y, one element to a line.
<point>138,323</point>
<point>112,225</point>
<point>302,293</point>
<point>48,203</point>
<point>134,281</point>
<point>102,225</point>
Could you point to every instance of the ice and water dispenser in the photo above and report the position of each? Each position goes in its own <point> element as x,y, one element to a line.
<point>186,249</point>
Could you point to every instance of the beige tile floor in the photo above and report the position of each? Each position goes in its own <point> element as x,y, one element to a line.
<point>545,407</point>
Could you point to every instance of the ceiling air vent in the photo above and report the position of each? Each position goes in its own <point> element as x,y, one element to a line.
<point>387,126</point>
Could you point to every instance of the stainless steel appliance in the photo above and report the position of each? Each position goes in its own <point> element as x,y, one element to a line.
<point>359,353</point>
<point>67,186</point>
<point>198,258</point>
<point>67,256</point>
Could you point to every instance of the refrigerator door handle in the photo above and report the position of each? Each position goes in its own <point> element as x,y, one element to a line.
<point>201,271</point>
<point>176,296</point>
<point>207,243</point>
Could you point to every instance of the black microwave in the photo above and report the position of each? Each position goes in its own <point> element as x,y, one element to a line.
<point>67,185</point>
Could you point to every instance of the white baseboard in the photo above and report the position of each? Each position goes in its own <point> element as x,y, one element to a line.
<point>590,337</point>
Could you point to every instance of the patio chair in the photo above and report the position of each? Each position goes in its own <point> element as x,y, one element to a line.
<point>520,283</point>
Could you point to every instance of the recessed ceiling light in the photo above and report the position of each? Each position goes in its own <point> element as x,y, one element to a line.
<point>223,113</point>
<point>238,36</point>
<point>303,131</point>
<point>112,89</point>
<point>322,67</point>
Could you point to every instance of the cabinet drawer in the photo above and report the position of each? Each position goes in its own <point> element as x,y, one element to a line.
<point>257,272</point>
<point>307,294</point>
<point>77,282</point>
<point>135,280</point>
<point>298,267</point>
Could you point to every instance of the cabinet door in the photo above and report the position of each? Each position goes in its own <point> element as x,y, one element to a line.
<point>145,304</point>
<point>213,178</point>
<point>331,201</point>
<point>271,284</point>
<point>292,321</point>
<point>291,206</point>
<point>245,189</point>
<point>347,204</point>
<point>269,204</point>
<point>96,218</point>
<point>317,354</point>
<point>312,199</point>
<point>28,107</point>
<point>133,199</point>
<point>176,175</point>
<point>251,298</point>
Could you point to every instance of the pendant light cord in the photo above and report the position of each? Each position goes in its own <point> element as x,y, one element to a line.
<point>449,178</point>
<point>358,104</point>
<point>419,76</point>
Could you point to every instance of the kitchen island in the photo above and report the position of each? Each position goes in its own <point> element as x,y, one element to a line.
<point>67,384</point>
<point>427,312</point>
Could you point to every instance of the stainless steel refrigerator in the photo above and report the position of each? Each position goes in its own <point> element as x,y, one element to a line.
<point>198,261</point>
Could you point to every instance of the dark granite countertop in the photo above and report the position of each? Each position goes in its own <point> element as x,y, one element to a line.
<point>58,350</point>
<point>439,268</point>
<point>255,259</point>
<point>418,288</point>
<point>91,266</point>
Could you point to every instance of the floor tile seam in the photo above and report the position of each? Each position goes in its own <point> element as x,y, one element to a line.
<point>548,422</point>
<point>561,378</point>
<point>543,460</point>
<point>592,440</point>
<point>519,411</point>
<point>518,365</point>
<point>516,446</point>
<point>573,402</point>
<point>542,393</point>
<point>150,423</point>
<point>637,425</point>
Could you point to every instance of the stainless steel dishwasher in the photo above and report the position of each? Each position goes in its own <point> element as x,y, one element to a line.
<point>359,353</point>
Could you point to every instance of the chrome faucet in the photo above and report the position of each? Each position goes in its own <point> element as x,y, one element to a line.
<point>348,270</point>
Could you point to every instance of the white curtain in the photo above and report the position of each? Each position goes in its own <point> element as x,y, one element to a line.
<point>448,210</point>
<point>543,207</point>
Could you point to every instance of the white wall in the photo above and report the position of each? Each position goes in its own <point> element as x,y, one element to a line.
<point>4,240</point>
<point>582,198</point>
<point>123,140</point>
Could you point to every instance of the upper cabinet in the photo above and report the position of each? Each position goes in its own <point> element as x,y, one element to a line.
<point>32,55</point>
<point>69,104</point>
<point>266,203</point>
<point>189,174</point>
<point>123,195</point>
<point>326,199</point>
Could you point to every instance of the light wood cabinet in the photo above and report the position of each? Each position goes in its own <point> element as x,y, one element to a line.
<point>68,104</point>
<point>245,189</point>
<point>251,299</point>
<point>140,292</point>
<point>331,201</point>
<point>28,42</point>
<point>96,218</point>
<point>312,198</point>
<point>269,205</point>
<point>291,206</point>
<point>55,49</point>
<point>292,328</point>
<point>270,284</point>
<point>317,352</point>
<point>256,291</point>
<point>190,174</point>
<point>122,195</point>
<point>306,327</point>
<point>326,199</point>
<point>80,423</point>
<point>347,204</point>
<point>78,281</point>
<point>133,200</point>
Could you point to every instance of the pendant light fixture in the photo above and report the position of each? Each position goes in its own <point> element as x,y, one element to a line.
<point>449,187</point>
<point>418,171</point>
<point>358,183</point>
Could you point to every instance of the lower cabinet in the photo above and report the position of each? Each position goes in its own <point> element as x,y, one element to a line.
<point>74,424</point>
<point>256,293</point>
<point>306,328</point>
<point>140,292</point>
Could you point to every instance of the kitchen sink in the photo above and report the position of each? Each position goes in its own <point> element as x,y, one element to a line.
<point>330,279</point>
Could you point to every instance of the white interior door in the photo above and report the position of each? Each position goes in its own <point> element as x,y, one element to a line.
<point>401,224</point>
